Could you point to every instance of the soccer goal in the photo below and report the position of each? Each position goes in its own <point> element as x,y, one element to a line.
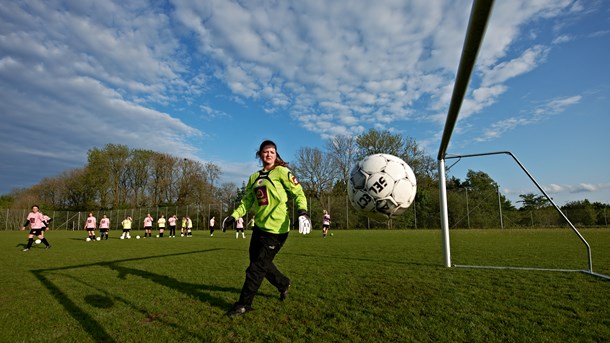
<point>479,16</point>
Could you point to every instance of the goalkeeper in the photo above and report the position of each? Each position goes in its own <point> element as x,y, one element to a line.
<point>267,190</point>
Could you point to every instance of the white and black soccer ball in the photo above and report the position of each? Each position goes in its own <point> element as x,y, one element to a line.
<point>138,237</point>
<point>88,239</point>
<point>38,241</point>
<point>382,186</point>
<point>98,238</point>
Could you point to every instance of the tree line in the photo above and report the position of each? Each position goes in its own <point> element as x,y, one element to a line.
<point>116,177</point>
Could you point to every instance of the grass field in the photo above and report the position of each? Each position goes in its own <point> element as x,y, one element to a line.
<point>373,286</point>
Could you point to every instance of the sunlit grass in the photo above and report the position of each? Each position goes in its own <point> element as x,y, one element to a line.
<point>356,286</point>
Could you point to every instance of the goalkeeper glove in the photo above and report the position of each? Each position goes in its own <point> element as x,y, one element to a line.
<point>304,222</point>
<point>227,223</point>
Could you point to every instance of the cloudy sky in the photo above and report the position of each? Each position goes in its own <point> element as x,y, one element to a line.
<point>209,80</point>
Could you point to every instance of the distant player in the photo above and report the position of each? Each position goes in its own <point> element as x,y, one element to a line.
<point>148,223</point>
<point>212,222</point>
<point>239,226</point>
<point>189,227</point>
<point>183,227</point>
<point>172,225</point>
<point>104,227</point>
<point>90,225</point>
<point>36,221</point>
<point>325,223</point>
<point>161,225</point>
<point>46,221</point>
<point>126,223</point>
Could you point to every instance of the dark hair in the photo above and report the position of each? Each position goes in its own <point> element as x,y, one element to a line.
<point>278,160</point>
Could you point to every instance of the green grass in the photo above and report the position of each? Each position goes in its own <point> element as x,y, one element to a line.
<point>384,286</point>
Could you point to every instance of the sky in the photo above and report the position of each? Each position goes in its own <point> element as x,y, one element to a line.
<point>210,80</point>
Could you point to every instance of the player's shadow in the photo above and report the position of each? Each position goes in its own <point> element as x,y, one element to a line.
<point>94,328</point>
<point>196,290</point>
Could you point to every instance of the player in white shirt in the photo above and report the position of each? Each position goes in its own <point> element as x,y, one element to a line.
<point>325,223</point>
<point>212,222</point>
<point>189,227</point>
<point>161,225</point>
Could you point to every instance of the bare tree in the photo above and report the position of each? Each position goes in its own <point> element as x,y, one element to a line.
<point>315,171</point>
<point>139,174</point>
<point>161,178</point>
<point>342,151</point>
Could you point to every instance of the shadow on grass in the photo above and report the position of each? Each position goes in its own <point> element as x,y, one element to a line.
<point>94,328</point>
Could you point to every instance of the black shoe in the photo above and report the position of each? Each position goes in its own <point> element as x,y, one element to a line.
<point>238,310</point>
<point>284,294</point>
<point>48,247</point>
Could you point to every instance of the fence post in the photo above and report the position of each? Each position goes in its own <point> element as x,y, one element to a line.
<point>500,207</point>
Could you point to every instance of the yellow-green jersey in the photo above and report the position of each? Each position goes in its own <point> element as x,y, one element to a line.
<point>268,192</point>
<point>161,222</point>
<point>126,224</point>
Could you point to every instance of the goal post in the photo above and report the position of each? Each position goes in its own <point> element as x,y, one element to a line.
<point>479,16</point>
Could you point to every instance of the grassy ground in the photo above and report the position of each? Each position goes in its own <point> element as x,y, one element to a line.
<point>385,286</point>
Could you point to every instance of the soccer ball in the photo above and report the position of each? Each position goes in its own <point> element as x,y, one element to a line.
<point>122,237</point>
<point>181,235</point>
<point>332,234</point>
<point>138,237</point>
<point>382,186</point>
<point>38,241</point>
<point>88,239</point>
<point>157,236</point>
<point>98,239</point>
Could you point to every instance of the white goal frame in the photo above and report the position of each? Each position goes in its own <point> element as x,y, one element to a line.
<point>479,15</point>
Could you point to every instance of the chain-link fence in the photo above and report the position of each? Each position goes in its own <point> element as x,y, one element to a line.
<point>13,219</point>
<point>481,212</point>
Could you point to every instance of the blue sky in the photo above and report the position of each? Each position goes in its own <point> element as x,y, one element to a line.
<point>210,80</point>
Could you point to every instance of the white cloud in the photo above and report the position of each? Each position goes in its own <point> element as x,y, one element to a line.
<point>563,39</point>
<point>542,112</point>
<point>82,75</point>
<point>99,70</point>
<point>576,188</point>
<point>504,71</point>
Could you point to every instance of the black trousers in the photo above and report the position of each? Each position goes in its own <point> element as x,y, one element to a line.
<point>263,248</point>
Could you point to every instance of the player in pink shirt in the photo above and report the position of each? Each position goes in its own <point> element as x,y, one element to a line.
<point>36,221</point>
<point>172,225</point>
<point>239,226</point>
<point>104,227</point>
<point>90,225</point>
<point>46,220</point>
<point>148,223</point>
<point>325,223</point>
